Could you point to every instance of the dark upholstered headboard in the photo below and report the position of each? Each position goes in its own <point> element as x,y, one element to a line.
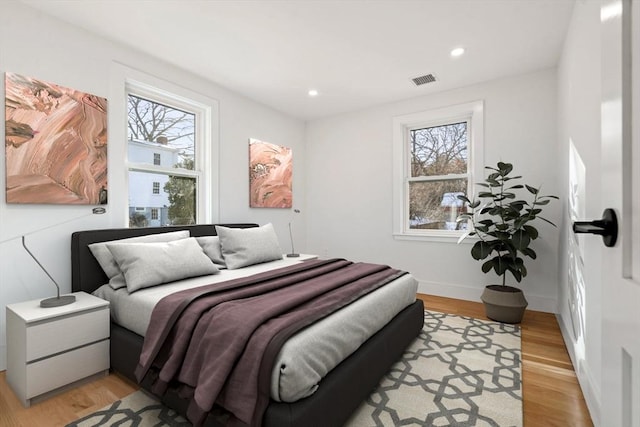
<point>86,273</point>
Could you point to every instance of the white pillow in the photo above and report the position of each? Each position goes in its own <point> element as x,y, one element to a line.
<point>211,247</point>
<point>247,246</point>
<point>109,265</point>
<point>150,264</point>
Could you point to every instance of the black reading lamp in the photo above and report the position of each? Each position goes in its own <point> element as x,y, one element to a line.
<point>58,300</point>
<point>293,253</point>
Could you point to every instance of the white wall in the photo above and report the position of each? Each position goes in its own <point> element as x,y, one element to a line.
<point>349,185</point>
<point>579,92</point>
<point>38,46</point>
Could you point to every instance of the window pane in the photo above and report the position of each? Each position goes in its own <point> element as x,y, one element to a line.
<point>174,204</point>
<point>434,205</point>
<point>439,150</point>
<point>160,134</point>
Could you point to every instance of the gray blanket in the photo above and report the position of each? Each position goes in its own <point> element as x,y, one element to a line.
<point>218,342</point>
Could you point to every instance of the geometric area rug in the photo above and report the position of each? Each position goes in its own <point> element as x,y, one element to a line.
<point>458,372</point>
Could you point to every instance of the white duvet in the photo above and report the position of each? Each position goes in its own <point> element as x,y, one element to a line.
<point>307,356</point>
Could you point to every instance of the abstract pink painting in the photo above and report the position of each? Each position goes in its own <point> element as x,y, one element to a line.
<point>55,143</point>
<point>270,175</point>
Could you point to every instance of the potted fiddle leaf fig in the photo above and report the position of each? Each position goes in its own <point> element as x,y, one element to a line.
<point>505,224</point>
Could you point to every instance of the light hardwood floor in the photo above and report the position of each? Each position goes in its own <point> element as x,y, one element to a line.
<point>551,394</point>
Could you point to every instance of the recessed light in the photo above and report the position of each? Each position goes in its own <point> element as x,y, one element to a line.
<point>313,92</point>
<point>459,51</point>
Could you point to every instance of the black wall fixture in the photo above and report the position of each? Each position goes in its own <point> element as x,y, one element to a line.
<point>607,227</point>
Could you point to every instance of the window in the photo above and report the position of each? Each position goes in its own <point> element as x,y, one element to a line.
<point>436,155</point>
<point>169,139</point>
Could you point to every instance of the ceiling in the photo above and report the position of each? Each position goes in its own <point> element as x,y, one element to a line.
<point>356,53</point>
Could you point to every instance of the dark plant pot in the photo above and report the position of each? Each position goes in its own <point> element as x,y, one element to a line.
<point>504,304</point>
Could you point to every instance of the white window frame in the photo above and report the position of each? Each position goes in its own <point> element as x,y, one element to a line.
<point>473,113</point>
<point>205,141</point>
<point>155,186</point>
<point>157,159</point>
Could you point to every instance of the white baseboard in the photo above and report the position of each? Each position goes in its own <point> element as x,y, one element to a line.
<point>589,390</point>
<point>470,293</point>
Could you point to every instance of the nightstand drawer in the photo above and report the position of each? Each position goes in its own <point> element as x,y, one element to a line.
<point>57,371</point>
<point>47,338</point>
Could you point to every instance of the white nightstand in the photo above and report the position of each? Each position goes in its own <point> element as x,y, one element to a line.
<point>48,348</point>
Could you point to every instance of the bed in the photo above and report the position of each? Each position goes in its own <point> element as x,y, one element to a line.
<point>339,393</point>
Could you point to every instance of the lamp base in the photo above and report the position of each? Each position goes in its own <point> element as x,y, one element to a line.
<point>293,255</point>
<point>58,301</point>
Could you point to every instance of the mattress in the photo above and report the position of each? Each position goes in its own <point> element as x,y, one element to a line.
<point>307,356</point>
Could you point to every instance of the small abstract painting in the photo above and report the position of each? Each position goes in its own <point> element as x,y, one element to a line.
<point>55,143</point>
<point>270,175</point>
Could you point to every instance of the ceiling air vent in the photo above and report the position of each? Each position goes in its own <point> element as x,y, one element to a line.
<point>427,78</point>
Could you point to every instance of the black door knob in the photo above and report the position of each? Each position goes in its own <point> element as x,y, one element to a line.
<point>607,227</point>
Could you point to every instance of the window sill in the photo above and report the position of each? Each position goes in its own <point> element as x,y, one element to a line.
<point>441,236</point>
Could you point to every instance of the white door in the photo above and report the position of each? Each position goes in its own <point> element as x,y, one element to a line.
<point>620,403</point>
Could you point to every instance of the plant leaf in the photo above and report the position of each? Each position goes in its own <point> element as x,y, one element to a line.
<point>531,189</point>
<point>530,253</point>
<point>521,239</point>
<point>480,250</point>
<point>516,275</point>
<point>487,266</point>
<point>505,168</point>
<point>464,236</point>
<point>532,231</point>
<point>499,266</point>
<point>546,220</point>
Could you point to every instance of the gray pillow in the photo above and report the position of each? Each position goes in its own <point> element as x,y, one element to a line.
<point>149,264</point>
<point>109,265</point>
<point>247,246</point>
<point>211,247</point>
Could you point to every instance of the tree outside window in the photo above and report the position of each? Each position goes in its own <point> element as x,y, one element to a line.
<point>439,172</point>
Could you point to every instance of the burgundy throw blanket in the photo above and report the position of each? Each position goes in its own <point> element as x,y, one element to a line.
<point>218,343</point>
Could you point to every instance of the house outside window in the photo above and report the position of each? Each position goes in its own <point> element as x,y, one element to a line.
<point>437,154</point>
<point>169,143</point>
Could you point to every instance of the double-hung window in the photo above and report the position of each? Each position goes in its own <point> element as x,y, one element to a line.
<point>437,154</point>
<point>169,140</point>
